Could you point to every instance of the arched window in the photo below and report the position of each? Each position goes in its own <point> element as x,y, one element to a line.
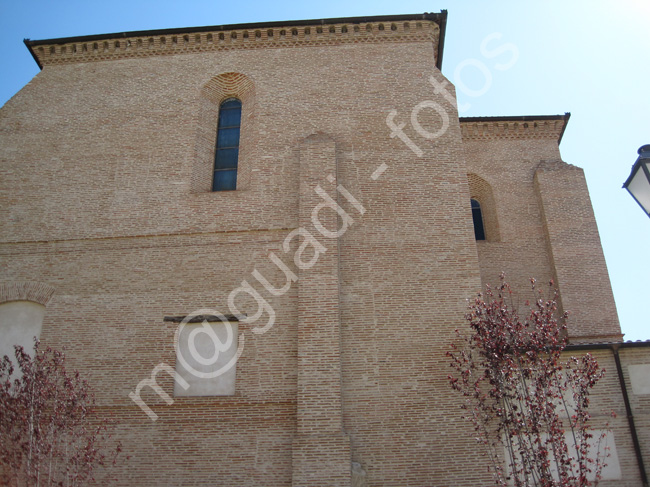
<point>227,151</point>
<point>20,322</point>
<point>22,309</point>
<point>477,217</point>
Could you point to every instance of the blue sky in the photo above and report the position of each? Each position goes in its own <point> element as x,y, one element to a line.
<point>590,58</point>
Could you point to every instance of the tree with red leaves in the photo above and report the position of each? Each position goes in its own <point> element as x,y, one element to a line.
<point>528,406</point>
<point>49,430</point>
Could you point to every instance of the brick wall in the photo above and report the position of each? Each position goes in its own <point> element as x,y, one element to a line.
<point>543,218</point>
<point>105,164</point>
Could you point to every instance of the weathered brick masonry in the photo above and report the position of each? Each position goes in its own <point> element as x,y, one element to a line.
<point>106,160</point>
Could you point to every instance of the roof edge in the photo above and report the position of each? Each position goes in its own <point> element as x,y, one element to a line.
<point>441,39</point>
<point>567,116</point>
<point>31,51</point>
<point>439,18</point>
<point>514,118</point>
<point>522,118</point>
<point>605,346</point>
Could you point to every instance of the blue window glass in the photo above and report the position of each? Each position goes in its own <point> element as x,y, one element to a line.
<point>226,159</point>
<point>227,151</point>
<point>477,217</point>
<point>229,117</point>
<point>224,180</point>
<point>228,137</point>
<point>231,103</point>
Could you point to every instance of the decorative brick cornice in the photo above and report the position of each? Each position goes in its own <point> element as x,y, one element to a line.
<point>517,127</point>
<point>250,36</point>
<point>37,292</point>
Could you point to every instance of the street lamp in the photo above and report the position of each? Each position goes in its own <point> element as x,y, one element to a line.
<point>638,184</point>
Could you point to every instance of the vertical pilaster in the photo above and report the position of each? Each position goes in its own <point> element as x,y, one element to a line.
<point>321,450</point>
<point>575,251</point>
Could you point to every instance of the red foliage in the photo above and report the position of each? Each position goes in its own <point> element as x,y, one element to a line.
<point>527,405</point>
<point>49,431</point>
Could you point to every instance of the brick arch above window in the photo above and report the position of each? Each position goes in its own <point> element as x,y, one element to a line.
<point>212,94</point>
<point>228,85</point>
<point>37,292</point>
<point>481,191</point>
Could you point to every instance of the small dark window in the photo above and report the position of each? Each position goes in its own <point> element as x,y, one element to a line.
<point>227,151</point>
<point>477,216</point>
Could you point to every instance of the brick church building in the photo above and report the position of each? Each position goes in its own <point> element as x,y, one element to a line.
<point>256,241</point>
